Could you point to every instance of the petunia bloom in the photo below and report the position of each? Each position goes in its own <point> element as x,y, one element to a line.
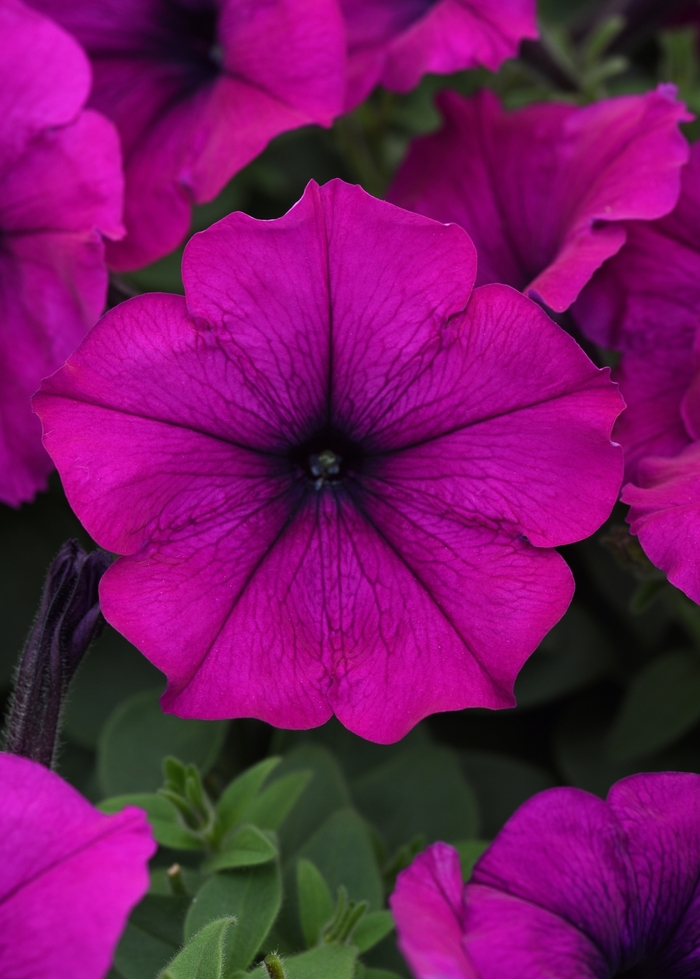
<point>336,474</point>
<point>197,89</point>
<point>60,195</point>
<point>543,191</point>
<point>645,302</point>
<point>70,875</point>
<point>395,42</point>
<point>573,887</point>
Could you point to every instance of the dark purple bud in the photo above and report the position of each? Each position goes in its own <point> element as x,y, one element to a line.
<point>68,620</point>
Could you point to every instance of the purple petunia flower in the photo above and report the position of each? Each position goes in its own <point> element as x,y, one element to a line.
<point>395,42</point>
<point>60,193</point>
<point>336,474</point>
<point>543,191</point>
<point>645,302</point>
<point>572,887</point>
<point>70,875</point>
<point>197,89</point>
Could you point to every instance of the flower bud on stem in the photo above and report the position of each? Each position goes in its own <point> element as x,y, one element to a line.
<point>68,620</point>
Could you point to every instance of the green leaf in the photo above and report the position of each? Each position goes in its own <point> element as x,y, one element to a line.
<point>152,936</point>
<point>422,791</point>
<point>469,852</point>
<point>273,805</point>
<point>324,962</point>
<point>237,798</point>
<point>246,847</point>
<point>574,654</point>
<point>661,704</point>
<point>138,736</point>
<point>253,896</point>
<point>113,671</point>
<point>371,929</point>
<point>162,816</point>
<point>203,956</point>
<point>380,974</point>
<point>315,901</point>
<point>342,851</point>
<point>501,785</point>
<point>326,792</point>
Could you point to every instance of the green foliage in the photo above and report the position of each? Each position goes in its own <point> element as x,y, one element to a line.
<point>203,956</point>
<point>469,852</point>
<point>152,936</point>
<point>138,736</point>
<point>315,901</point>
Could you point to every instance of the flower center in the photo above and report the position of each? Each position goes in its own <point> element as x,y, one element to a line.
<point>325,467</point>
<point>327,460</point>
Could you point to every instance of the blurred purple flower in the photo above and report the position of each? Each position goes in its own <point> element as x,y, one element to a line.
<point>543,191</point>
<point>572,887</point>
<point>197,89</point>
<point>645,302</point>
<point>336,474</point>
<point>60,192</point>
<point>70,875</point>
<point>396,42</point>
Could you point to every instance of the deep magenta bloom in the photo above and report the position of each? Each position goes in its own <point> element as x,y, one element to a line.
<point>543,191</point>
<point>396,42</point>
<point>70,875</point>
<point>336,474</point>
<point>60,193</point>
<point>197,89</point>
<point>572,887</point>
<point>645,302</point>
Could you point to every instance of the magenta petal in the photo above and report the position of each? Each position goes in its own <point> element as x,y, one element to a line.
<point>542,190</point>
<point>665,515</point>
<point>197,92</point>
<point>70,876</point>
<point>60,194</point>
<point>50,77</point>
<point>260,454</point>
<point>396,42</point>
<point>428,910</point>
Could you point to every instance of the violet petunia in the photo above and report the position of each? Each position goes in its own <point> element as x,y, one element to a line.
<point>336,474</point>
<point>573,887</point>
<point>645,303</point>
<point>395,42</point>
<point>60,195</point>
<point>70,875</point>
<point>543,190</point>
<point>197,89</point>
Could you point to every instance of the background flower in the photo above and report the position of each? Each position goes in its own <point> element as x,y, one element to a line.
<point>543,190</point>
<point>70,875</point>
<point>645,302</point>
<point>395,42</point>
<point>571,886</point>
<point>407,571</point>
<point>60,193</point>
<point>197,88</point>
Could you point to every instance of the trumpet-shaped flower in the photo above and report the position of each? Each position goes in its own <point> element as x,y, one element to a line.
<point>70,875</point>
<point>645,302</point>
<point>197,88</point>
<point>336,474</point>
<point>395,42</point>
<point>544,191</point>
<point>60,194</point>
<point>573,887</point>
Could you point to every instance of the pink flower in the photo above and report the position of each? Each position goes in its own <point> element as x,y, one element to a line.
<point>543,191</point>
<point>336,474</point>
<point>197,89</point>
<point>60,192</point>
<point>645,302</point>
<point>395,42</point>
<point>572,887</point>
<point>70,875</point>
